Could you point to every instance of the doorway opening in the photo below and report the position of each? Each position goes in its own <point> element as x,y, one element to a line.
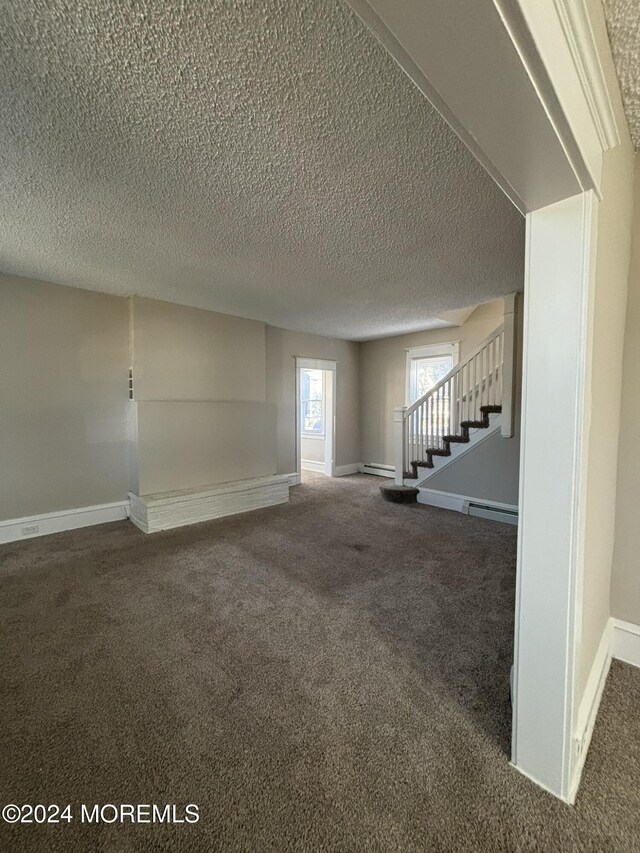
<point>315,415</point>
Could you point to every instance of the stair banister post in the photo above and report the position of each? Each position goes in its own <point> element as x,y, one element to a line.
<point>399,449</point>
<point>508,366</point>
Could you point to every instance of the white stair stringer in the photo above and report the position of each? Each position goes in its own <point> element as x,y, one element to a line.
<point>476,437</point>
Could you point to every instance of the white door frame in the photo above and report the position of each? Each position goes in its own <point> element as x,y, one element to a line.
<point>558,323</point>
<point>331,370</point>
<point>539,115</point>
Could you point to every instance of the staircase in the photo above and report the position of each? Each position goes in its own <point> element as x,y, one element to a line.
<point>447,440</point>
<point>470,399</point>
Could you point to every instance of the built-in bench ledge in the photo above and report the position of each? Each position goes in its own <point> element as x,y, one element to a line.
<point>164,510</point>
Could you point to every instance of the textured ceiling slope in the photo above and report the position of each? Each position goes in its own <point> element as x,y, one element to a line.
<point>266,159</point>
<point>623,24</point>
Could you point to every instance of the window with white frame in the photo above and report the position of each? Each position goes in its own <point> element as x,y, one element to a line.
<point>427,365</point>
<point>312,400</point>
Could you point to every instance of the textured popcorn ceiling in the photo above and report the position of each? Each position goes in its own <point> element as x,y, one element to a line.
<point>266,159</point>
<point>623,24</point>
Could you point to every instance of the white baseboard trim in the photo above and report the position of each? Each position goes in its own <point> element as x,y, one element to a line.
<point>345,470</point>
<point>294,479</point>
<point>309,465</point>
<point>626,641</point>
<point>167,510</point>
<point>444,500</point>
<point>31,526</point>
<point>589,706</point>
<point>493,510</point>
<point>378,470</point>
<point>620,641</point>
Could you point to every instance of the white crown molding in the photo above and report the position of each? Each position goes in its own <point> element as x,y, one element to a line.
<point>578,33</point>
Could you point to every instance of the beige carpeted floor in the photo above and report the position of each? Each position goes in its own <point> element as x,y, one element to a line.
<point>327,675</point>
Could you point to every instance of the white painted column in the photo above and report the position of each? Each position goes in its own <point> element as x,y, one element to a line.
<point>559,285</point>
<point>398,443</point>
<point>508,366</point>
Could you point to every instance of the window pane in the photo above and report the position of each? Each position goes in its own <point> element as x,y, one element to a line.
<point>312,417</point>
<point>427,372</point>
<point>312,385</point>
<point>312,402</point>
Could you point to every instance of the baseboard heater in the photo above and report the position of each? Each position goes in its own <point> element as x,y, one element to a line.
<point>378,470</point>
<point>492,512</point>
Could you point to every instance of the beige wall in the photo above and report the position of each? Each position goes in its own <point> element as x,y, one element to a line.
<point>383,369</point>
<point>63,398</point>
<point>200,410</point>
<point>185,353</point>
<point>71,446</point>
<point>625,580</point>
<point>282,348</point>
<point>185,444</point>
<point>610,295</point>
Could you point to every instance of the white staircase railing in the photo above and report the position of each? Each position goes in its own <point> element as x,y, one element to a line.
<point>473,383</point>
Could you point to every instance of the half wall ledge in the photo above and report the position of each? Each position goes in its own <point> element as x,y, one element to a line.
<point>165,510</point>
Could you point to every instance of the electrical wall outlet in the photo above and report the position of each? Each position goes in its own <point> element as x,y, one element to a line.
<point>30,530</point>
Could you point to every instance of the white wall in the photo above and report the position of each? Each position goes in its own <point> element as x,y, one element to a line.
<point>63,398</point>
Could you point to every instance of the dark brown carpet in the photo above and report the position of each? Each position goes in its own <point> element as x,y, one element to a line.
<point>327,675</point>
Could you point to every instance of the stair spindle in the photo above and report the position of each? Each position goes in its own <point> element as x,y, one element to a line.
<point>492,389</point>
<point>496,345</point>
<point>473,389</point>
<point>501,365</point>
